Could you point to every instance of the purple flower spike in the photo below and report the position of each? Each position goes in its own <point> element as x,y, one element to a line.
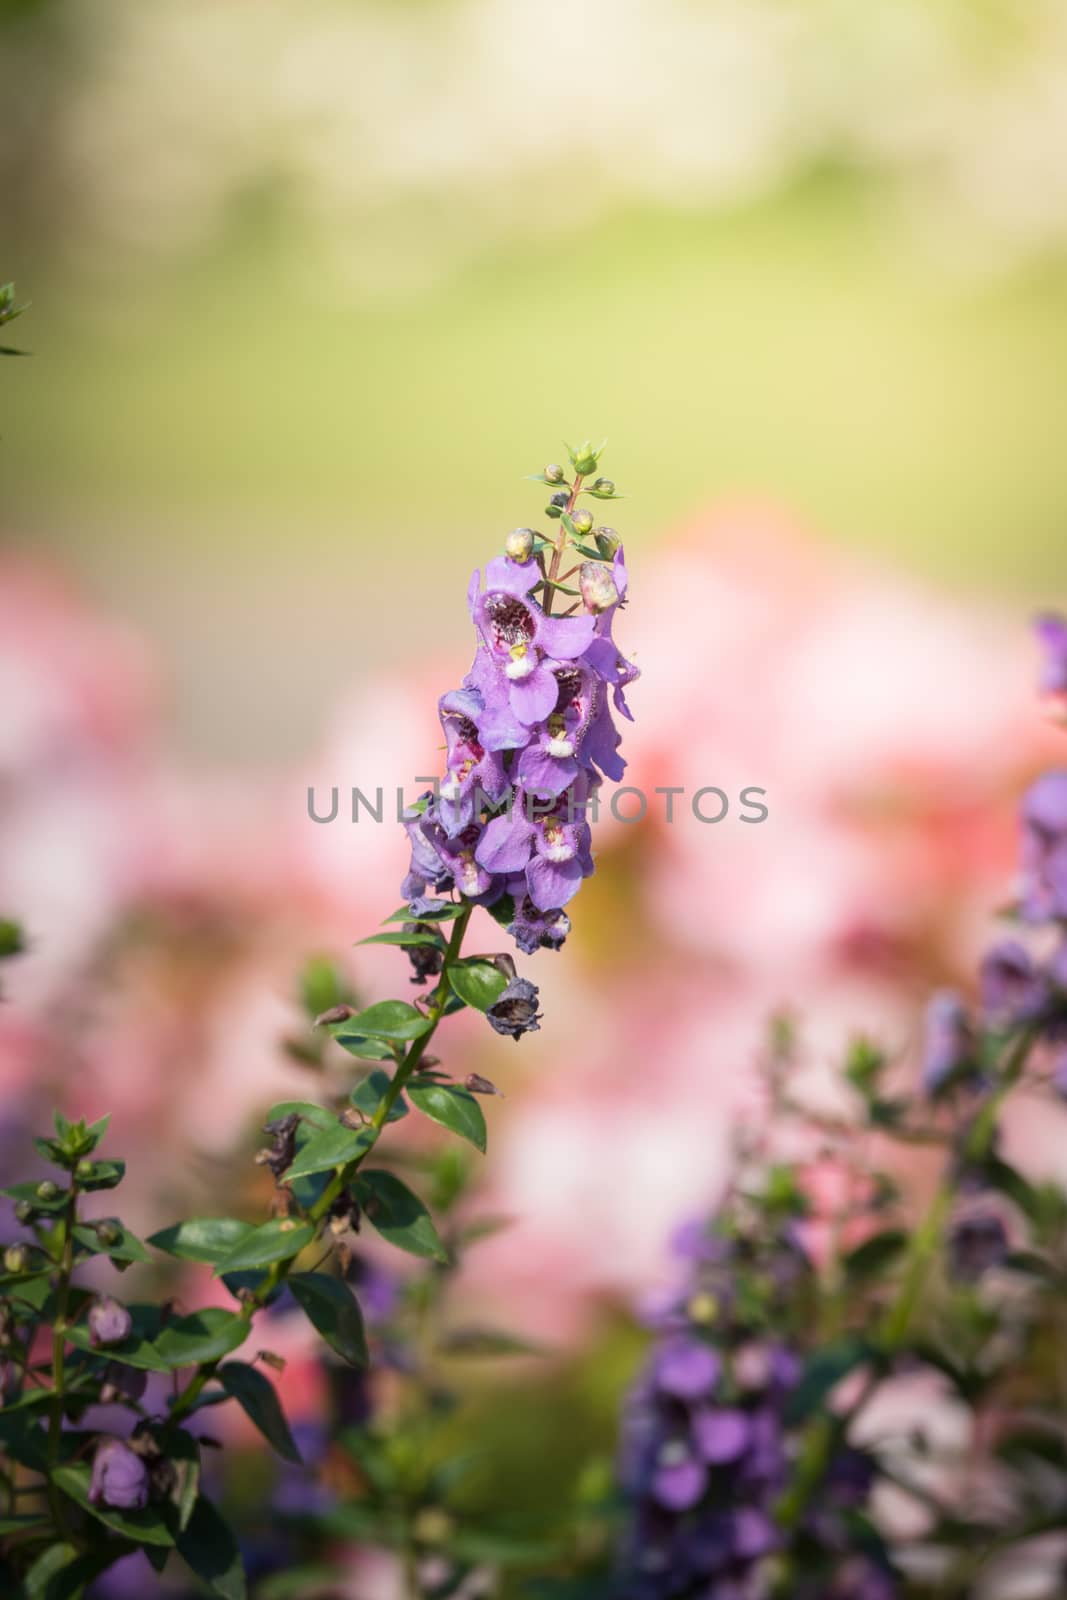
<point>119,1477</point>
<point>109,1322</point>
<point>687,1369</point>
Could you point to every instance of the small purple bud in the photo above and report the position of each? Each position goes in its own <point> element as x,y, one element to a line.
<point>109,1322</point>
<point>119,1478</point>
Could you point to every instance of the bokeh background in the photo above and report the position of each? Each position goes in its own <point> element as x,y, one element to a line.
<point>312,288</point>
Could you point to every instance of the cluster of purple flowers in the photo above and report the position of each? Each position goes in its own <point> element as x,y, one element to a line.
<point>530,737</point>
<point>1018,989</point>
<point>707,1446</point>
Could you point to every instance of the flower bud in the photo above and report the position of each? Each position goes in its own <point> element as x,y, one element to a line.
<point>476,1084</point>
<point>554,472</point>
<point>108,1233</point>
<point>605,487</point>
<point>583,521</point>
<point>597,586</point>
<point>557,505</point>
<point>325,1019</point>
<point>519,545</point>
<point>119,1479</point>
<point>585,459</point>
<point>84,1169</point>
<point>16,1258</point>
<point>24,1212</point>
<point>607,542</point>
<point>47,1190</point>
<point>109,1322</point>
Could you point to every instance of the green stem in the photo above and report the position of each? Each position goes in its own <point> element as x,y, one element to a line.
<point>558,549</point>
<point>343,1175</point>
<point>59,1357</point>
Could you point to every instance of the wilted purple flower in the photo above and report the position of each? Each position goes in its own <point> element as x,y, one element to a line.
<point>109,1321</point>
<point>426,960</point>
<point>948,1047</point>
<point>533,929</point>
<point>976,1244</point>
<point>119,1477</point>
<point>515,1012</point>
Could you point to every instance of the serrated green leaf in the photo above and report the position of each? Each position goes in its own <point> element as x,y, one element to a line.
<point>276,1240</point>
<point>258,1399</point>
<point>398,1214</point>
<point>202,1336</point>
<point>332,1309</point>
<point>207,1239</point>
<point>477,983</point>
<point>454,1108</point>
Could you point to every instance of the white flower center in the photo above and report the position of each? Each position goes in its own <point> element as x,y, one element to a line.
<point>560,747</point>
<point>468,873</point>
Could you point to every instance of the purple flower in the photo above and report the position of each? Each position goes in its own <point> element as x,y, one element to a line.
<point>533,929</point>
<point>472,771</point>
<point>948,1047</point>
<point>679,1480</point>
<point>109,1322</point>
<point>721,1435</point>
<point>515,1012</point>
<point>753,1533</point>
<point>976,1244</point>
<point>1044,863</point>
<point>519,637</point>
<point>1013,990</point>
<point>458,855</point>
<point>1051,630</point>
<point>119,1477</point>
<point>427,870</point>
<point>687,1369</point>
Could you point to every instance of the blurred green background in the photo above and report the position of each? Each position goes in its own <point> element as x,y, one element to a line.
<point>313,286</point>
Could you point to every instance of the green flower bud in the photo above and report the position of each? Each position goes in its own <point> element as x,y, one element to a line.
<point>47,1190</point>
<point>585,459</point>
<point>556,506</point>
<point>597,586</point>
<point>604,486</point>
<point>84,1169</point>
<point>607,542</point>
<point>24,1212</point>
<point>554,473</point>
<point>583,521</point>
<point>16,1258</point>
<point>108,1233</point>
<point>519,544</point>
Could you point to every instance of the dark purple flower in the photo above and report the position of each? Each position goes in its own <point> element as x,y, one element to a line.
<point>533,929</point>
<point>109,1321</point>
<point>976,1244</point>
<point>427,870</point>
<point>1012,988</point>
<point>426,960</point>
<point>754,1533</point>
<point>119,1477</point>
<point>515,1012</point>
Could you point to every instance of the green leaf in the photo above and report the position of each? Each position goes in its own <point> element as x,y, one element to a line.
<point>47,1571</point>
<point>104,1175</point>
<point>28,1191</point>
<point>258,1398</point>
<point>208,1546</point>
<point>307,1110</point>
<point>142,1527</point>
<point>823,1371</point>
<point>445,913</point>
<point>875,1254</point>
<point>126,1247</point>
<point>332,1309</point>
<point>201,1336</point>
<point>390,1019</point>
<point>366,1049</point>
<point>487,1342</point>
<point>503,910</point>
<point>454,1108</point>
<point>207,1239</point>
<point>277,1240</point>
<point>398,1214</point>
<point>12,942</point>
<point>477,983</point>
<point>404,938</point>
<point>334,1147</point>
<point>368,1095</point>
<point>138,1350</point>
